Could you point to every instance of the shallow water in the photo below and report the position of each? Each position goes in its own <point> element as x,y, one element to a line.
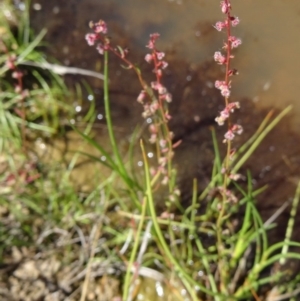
<point>267,60</point>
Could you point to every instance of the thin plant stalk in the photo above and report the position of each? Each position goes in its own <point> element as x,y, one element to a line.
<point>128,279</point>
<point>290,225</point>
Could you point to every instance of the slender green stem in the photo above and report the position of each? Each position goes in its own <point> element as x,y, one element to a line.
<point>120,164</point>
<point>108,118</point>
<point>290,225</point>
<point>128,277</point>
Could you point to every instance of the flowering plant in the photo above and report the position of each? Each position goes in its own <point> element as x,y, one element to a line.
<point>154,98</point>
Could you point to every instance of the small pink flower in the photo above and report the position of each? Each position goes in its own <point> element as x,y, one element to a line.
<point>219,84</point>
<point>219,58</point>
<point>141,96</point>
<point>162,143</point>
<point>10,63</point>
<point>168,116</point>
<point>162,90</point>
<point>168,97</point>
<point>153,129</point>
<point>223,117</point>
<point>100,27</point>
<point>164,64</point>
<point>235,129</point>
<point>225,113</point>
<point>18,89</point>
<point>229,135</point>
<point>153,38</point>
<point>17,74</point>
<point>225,91</point>
<point>233,105</point>
<point>150,44</point>
<point>100,48</point>
<point>220,120</point>
<point>220,25</point>
<point>158,87</point>
<point>165,180</point>
<point>160,55</point>
<point>235,21</point>
<point>91,38</point>
<point>224,7</point>
<point>238,129</point>
<point>235,42</point>
<point>148,58</point>
<point>154,107</point>
<point>155,85</point>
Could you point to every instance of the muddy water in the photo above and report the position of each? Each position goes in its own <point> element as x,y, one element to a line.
<point>267,61</point>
